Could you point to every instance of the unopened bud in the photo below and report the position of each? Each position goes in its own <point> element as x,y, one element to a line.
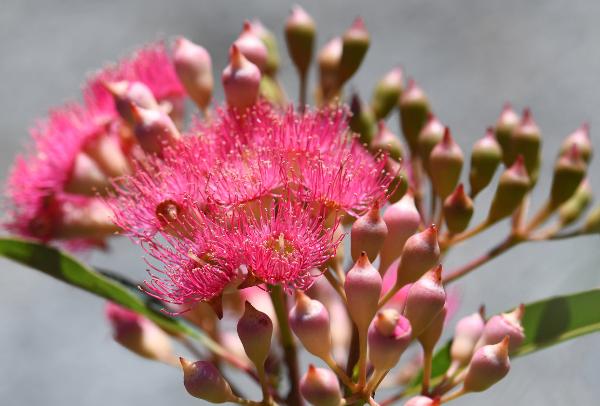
<point>368,234</point>
<point>581,138</point>
<point>329,61</point>
<point>485,158</point>
<point>89,220</point>
<point>86,177</point>
<point>386,94</point>
<point>241,80</point>
<point>270,42</point>
<point>127,94</point>
<point>203,380</point>
<point>467,332</point>
<point>386,141</point>
<point>414,111</point>
<point>445,164</point>
<point>362,121</point>
<point>194,69</point>
<point>363,287</point>
<point>108,154</point>
<point>512,187</point>
<point>402,220</point>
<point>569,171</point>
<point>458,210</point>
<point>503,130</point>
<point>432,333</point>
<point>309,320</point>
<point>252,47</point>
<point>154,129</point>
<point>255,330</point>
<point>422,401</point>
<point>320,387</point>
<point>592,222</point>
<point>572,209</point>
<point>489,365</point>
<point>421,253</point>
<point>425,300</point>
<point>505,324</point>
<point>399,184</point>
<point>300,32</point>
<point>355,43</point>
<point>526,141</point>
<point>389,335</point>
<point>431,134</point>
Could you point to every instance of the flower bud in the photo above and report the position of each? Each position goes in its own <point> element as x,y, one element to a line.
<point>485,158</point>
<point>329,60</point>
<point>270,42</point>
<point>355,43</point>
<point>526,141</point>
<point>581,138</point>
<point>203,380</point>
<point>368,234</point>
<point>431,134</point>
<point>512,187</point>
<point>572,209</point>
<point>414,111</point>
<point>89,220</point>
<point>309,320</point>
<point>505,126</point>
<point>399,184</point>
<point>241,80</point>
<point>154,129</point>
<point>389,335</point>
<point>320,387</point>
<point>592,222</point>
<point>467,332</point>
<point>425,300</point>
<point>387,93</point>
<point>458,210</point>
<point>421,252</point>
<point>445,164</point>
<point>422,401</point>
<point>86,177</point>
<point>271,91</point>
<point>362,121</point>
<point>402,220</point>
<point>194,69</point>
<point>569,171</point>
<point>252,47</point>
<point>489,365</point>
<point>363,287</point>
<point>300,32</point>
<point>255,330</point>
<point>432,333</point>
<point>126,94</point>
<point>138,334</point>
<point>386,141</point>
<point>505,324</point>
<point>107,153</point>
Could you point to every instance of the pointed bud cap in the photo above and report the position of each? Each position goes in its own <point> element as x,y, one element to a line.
<point>255,330</point>
<point>203,380</point>
<point>421,253</point>
<point>389,335</point>
<point>467,332</point>
<point>485,158</point>
<point>581,138</point>
<point>252,47</point>
<point>363,288</point>
<point>362,121</point>
<point>573,208</point>
<point>503,130</point>
<point>300,32</point>
<point>386,141</point>
<point>505,324</point>
<point>425,300</point>
<point>489,365</point>
<point>241,81</point>
<point>422,401</point>
<point>309,320</point>
<point>445,164</point>
<point>399,185</point>
<point>458,210</point>
<point>430,135</point>
<point>154,129</point>
<point>368,234</point>
<point>320,387</point>
<point>526,141</point>
<point>355,43</point>
<point>194,69</point>
<point>512,187</point>
<point>414,112</point>
<point>569,171</point>
<point>387,92</point>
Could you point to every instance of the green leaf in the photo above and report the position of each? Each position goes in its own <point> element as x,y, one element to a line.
<point>64,267</point>
<point>547,322</point>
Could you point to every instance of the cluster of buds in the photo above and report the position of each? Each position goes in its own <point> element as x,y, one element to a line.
<point>249,206</point>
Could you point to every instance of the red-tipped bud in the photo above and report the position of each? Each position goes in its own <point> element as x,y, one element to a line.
<point>432,333</point>
<point>569,171</point>
<point>467,332</point>
<point>421,252</point>
<point>363,287</point>
<point>106,151</point>
<point>268,38</point>
<point>422,401</point>
<point>362,121</point>
<point>126,94</point>
<point>154,130</point>
<point>581,138</point>
<point>526,141</point>
<point>512,187</point>
<point>194,69</point>
<point>431,134</point>
<point>309,320</point>
<point>414,111</point>
<point>320,387</point>
<point>505,324</point>
<point>445,164</point>
<point>489,365</point>
<point>425,300</point>
<point>255,330</point>
<point>458,210</point>
<point>503,130</point>
<point>573,208</point>
<point>355,43</point>
<point>251,46</point>
<point>203,380</point>
<point>485,158</point>
<point>241,80</point>
<point>86,177</point>
<point>387,141</point>
<point>300,32</point>
<point>329,61</point>
<point>402,219</point>
<point>387,92</point>
<point>389,335</point>
<point>368,234</point>
<point>592,222</point>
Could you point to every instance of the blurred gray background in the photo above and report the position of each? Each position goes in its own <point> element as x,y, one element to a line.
<point>469,56</point>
